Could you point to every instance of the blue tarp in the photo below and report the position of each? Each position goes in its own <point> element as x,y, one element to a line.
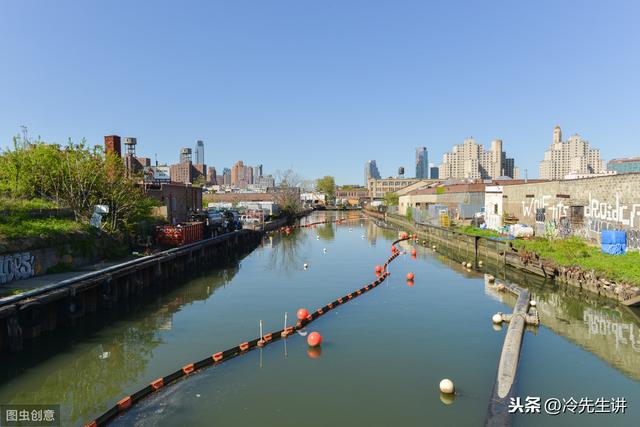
<point>613,242</point>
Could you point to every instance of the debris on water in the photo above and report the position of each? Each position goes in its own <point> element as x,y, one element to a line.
<point>197,395</point>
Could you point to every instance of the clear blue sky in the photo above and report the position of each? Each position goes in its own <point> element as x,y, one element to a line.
<point>323,86</point>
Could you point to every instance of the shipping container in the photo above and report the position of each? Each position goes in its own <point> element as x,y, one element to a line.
<point>178,235</point>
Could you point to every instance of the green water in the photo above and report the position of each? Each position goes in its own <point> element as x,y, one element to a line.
<point>381,360</point>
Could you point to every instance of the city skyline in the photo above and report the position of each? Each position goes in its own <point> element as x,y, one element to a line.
<point>357,93</point>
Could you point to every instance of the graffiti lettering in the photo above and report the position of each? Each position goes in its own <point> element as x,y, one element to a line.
<point>557,211</point>
<point>15,267</point>
<point>622,214</point>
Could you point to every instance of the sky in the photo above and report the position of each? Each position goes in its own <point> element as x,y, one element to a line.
<point>323,86</point>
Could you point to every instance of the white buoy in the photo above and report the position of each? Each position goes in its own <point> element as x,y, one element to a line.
<point>446,386</point>
<point>468,265</point>
<point>532,303</point>
<point>496,318</point>
<point>500,287</point>
<point>324,250</point>
<point>433,247</point>
<point>362,236</point>
<point>306,265</point>
<point>480,263</point>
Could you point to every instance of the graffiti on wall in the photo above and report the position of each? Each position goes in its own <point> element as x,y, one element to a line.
<point>16,266</point>
<point>553,219</point>
<point>625,215</point>
<point>542,204</point>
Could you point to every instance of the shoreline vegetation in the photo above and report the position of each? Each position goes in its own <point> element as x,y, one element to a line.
<point>573,252</point>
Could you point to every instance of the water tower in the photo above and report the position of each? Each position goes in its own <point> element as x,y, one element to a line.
<point>401,172</point>
<point>130,146</point>
<point>185,155</point>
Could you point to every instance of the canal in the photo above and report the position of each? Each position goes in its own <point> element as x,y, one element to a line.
<point>381,360</point>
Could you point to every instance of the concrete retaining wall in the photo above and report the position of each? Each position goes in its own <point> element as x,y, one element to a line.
<point>581,207</point>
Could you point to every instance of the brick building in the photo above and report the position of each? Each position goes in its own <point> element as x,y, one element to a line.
<point>178,200</point>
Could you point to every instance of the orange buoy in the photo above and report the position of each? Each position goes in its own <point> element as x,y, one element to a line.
<point>303,313</point>
<point>414,252</point>
<point>410,276</point>
<point>393,249</point>
<point>314,339</point>
<point>378,269</point>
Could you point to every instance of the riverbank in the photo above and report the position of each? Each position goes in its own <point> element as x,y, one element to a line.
<point>509,254</point>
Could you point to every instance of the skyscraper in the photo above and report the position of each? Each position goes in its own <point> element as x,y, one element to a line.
<point>574,155</point>
<point>257,173</point>
<point>422,163</point>
<point>199,152</point>
<point>226,176</point>
<point>470,161</point>
<point>370,171</point>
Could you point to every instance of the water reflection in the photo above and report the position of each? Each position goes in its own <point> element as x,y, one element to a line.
<point>286,254</point>
<point>99,367</point>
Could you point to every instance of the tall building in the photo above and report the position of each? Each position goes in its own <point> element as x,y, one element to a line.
<point>434,172</point>
<point>183,172</point>
<point>422,163</point>
<point>257,173</point>
<point>573,156</point>
<point>625,165</point>
<point>199,152</point>
<point>185,154</point>
<point>470,160</point>
<point>212,177</point>
<point>370,171</point>
<point>112,145</point>
<point>241,175</point>
<point>226,176</point>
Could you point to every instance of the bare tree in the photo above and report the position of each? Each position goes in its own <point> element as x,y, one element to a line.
<point>288,191</point>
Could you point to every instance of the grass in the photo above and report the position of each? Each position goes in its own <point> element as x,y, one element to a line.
<point>474,231</point>
<point>21,205</point>
<point>576,252</point>
<point>17,226</point>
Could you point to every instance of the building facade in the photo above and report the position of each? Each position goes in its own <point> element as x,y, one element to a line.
<point>241,175</point>
<point>625,165</point>
<point>185,155</point>
<point>573,156</point>
<point>226,176</point>
<point>112,145</point>
<point>177,200</point>
<point>371,171</point>
<point>422,163</point>
<point>199,152</point>
<point>470,160</point>
<point>434,172</point>
<point>379,187</point>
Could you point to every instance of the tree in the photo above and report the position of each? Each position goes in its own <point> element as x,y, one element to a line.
<point>391,199</point>
<point>327,186</point>
<point>288,191</point>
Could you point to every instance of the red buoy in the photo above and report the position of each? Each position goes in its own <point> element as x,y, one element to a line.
<point>393,249</point>
<point>314,339</point>
<point>414,252</point>
<point>303,313</point>
<point>410,276</point>
<point>378,269</point>
<point>404,235</point>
